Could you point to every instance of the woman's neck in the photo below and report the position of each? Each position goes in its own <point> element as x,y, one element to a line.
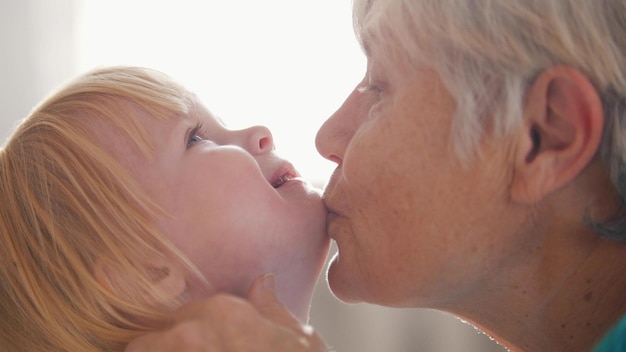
<point>549,310</point>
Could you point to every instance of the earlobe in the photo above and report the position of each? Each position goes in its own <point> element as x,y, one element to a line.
<point>563,123</point>
<point>166,279</point>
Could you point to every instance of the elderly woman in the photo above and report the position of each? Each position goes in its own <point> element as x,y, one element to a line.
<point>480,171</point>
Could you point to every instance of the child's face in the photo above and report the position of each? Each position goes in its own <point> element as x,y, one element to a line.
<point>238,209</point>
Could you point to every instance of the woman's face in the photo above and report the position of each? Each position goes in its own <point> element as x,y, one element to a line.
<point>237,209</point>
<point>413,226</point>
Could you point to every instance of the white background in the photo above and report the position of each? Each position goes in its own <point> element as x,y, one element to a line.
<point>286,64</point>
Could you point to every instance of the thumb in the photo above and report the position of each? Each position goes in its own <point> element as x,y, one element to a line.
<point>262,295</point>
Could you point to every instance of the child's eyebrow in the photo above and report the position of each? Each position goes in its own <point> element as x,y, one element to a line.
<point>200,113</point>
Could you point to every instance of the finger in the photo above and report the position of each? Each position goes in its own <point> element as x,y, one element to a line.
<point>214,308</point>
<point>297,337</point>
<point>147,342</point>
<point>186,336</point>
<point>139,344</point>
<point>262,295</point>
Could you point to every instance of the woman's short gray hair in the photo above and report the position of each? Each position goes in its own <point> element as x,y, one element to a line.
<point>488,51</point>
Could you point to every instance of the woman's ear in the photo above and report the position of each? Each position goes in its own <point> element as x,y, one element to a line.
<point>167,279</point>
<point>563,123</point>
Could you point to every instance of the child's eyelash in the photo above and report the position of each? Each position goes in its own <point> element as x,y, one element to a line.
<point>195,135</point>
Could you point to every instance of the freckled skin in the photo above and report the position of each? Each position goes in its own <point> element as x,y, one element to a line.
<point>415,227</point>
<point>397,245</point>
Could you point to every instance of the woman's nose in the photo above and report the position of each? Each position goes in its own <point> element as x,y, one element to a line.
<point>335,134</point>
<point>258,140</point>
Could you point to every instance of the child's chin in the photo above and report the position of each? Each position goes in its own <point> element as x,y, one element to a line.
<point>301,313</point>
<point>298,306</point>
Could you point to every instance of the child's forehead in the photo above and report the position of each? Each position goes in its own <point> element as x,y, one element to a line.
<point>141,124</point>
<point>199,113</point>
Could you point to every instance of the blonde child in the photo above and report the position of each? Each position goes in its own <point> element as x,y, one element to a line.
<point>124,198</point>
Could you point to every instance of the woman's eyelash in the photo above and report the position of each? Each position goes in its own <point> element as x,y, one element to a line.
<point>194,135</point>
<point>369,88</point>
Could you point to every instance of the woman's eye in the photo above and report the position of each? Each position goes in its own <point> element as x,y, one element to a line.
<point>376,91</point>
<point>370,88</point>
<point>373,87</point>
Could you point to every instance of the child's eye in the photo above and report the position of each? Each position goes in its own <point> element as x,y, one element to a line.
<point>194,136</point>
<point>194,139</point>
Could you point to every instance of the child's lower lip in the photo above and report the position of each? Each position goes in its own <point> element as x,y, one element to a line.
<point>281,181</point>
<point>284,179</point>
<point>291,181</point>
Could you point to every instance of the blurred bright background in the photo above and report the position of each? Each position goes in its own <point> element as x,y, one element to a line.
<point>286,64</point>
<point>283,63</point>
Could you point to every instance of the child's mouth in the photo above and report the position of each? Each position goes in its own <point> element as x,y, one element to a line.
<point>281,180</point>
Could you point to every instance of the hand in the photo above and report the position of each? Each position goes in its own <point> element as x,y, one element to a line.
<point>225,323</point>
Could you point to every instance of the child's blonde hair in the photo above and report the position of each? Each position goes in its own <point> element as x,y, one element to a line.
<point>67,203</point>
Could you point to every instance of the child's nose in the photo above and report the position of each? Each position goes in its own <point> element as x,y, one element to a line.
<point>259,140</point>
